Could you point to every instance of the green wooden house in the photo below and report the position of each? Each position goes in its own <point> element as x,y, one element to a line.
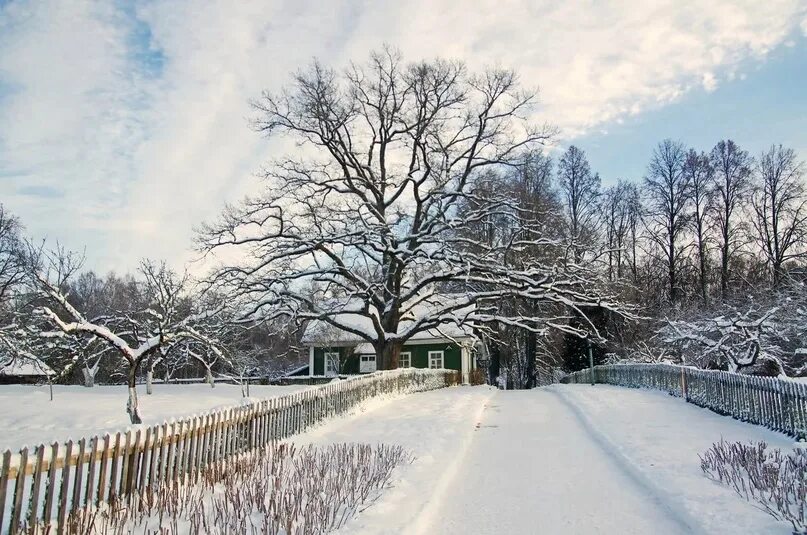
<point>334,352</point>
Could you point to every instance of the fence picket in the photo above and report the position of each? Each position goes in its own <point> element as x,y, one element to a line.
<point>36,480</point>
<point>65,486</point>
<point>112,493</point>
<point>19,489</point>
<point>88,492</point>
<point>4,470</point>
<point>132,463</point>
<point>101,487</point>
<point>145,459</point>
<point>50,489</point>
<point>76,502</point>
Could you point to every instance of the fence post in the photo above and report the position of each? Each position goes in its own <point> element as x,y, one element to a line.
<point>684,391</point>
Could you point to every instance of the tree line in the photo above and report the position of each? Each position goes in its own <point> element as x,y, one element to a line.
<point>709,245</point>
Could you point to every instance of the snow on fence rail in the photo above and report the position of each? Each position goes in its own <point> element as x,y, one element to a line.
<point>778,404</point>
<point>40,488</point>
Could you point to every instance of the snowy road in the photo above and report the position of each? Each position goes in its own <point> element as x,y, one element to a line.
<point>565,459</point>
<point>533,468</point>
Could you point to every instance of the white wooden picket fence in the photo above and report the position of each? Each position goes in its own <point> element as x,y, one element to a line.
<point>779,404</point>
<point>41,486</point>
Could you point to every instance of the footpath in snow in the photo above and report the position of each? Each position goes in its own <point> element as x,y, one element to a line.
<point>563,459</point>
<point>534,468</point>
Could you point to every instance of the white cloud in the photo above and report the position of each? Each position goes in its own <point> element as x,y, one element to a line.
<point>709,81</point>
<point>143,158</point>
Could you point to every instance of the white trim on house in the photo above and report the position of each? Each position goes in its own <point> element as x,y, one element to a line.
<point>408,359</point>
<point>328,363</point>
<point>465,359</point>
<point>311,361</point>
<point>442,360</point>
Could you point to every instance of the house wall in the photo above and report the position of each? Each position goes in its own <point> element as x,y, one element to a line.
<point>452,358</point>
<point>348,362</point>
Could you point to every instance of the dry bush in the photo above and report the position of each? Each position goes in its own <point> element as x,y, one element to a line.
<point>278,489</point>
<point>774,480</point>
<point>477,377</point>
<point>453,378</point>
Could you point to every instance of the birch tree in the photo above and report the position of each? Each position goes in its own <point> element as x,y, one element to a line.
<point>365,210</point>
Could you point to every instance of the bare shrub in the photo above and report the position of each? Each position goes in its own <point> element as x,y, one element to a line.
<point>280,488</point>
<point>453,378</point>
<point>477,377</point>
<point>775,480</point>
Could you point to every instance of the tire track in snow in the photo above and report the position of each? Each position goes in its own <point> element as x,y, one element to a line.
<point>665,501</point>
<point>432,510</point>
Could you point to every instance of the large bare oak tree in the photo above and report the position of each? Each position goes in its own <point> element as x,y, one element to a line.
<point>364,215</point>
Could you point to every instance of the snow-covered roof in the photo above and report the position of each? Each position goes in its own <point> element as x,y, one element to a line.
<point>322,332</point>
<point>25,367</point>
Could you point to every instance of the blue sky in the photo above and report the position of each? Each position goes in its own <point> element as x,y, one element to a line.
<point>123,125</point>
<point>767,105</point>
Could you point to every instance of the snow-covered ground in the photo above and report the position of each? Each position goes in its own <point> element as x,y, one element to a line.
<point>28,417</point>
<point>657,438</point>
<point>560,459</point>
<point>563,459</point>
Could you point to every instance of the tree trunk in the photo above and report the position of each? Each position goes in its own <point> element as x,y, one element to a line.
<point>529,365</point>
<point>671,266</point>
<point>530,350</point>
<point>89,376</point>
<point>724,269</point>
<point>149,381</point>
<point>209,378</point>
<point>777,275</point>
<point>704,289</point>
<point>387,355</point>
<point>494,368</point>
<point>131,406</point>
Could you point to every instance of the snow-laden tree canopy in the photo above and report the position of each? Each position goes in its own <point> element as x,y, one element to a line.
<point>379,202</point>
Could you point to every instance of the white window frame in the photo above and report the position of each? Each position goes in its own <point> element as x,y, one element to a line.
<point>367,358</point>
<point>408,359</point>
<point>328,368</point>
<point>442,359</point>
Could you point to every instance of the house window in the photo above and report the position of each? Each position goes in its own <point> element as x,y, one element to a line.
<point>405,359</point>
<point>367,364</point>
<point>331,364</point>
<point>435,359</point>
